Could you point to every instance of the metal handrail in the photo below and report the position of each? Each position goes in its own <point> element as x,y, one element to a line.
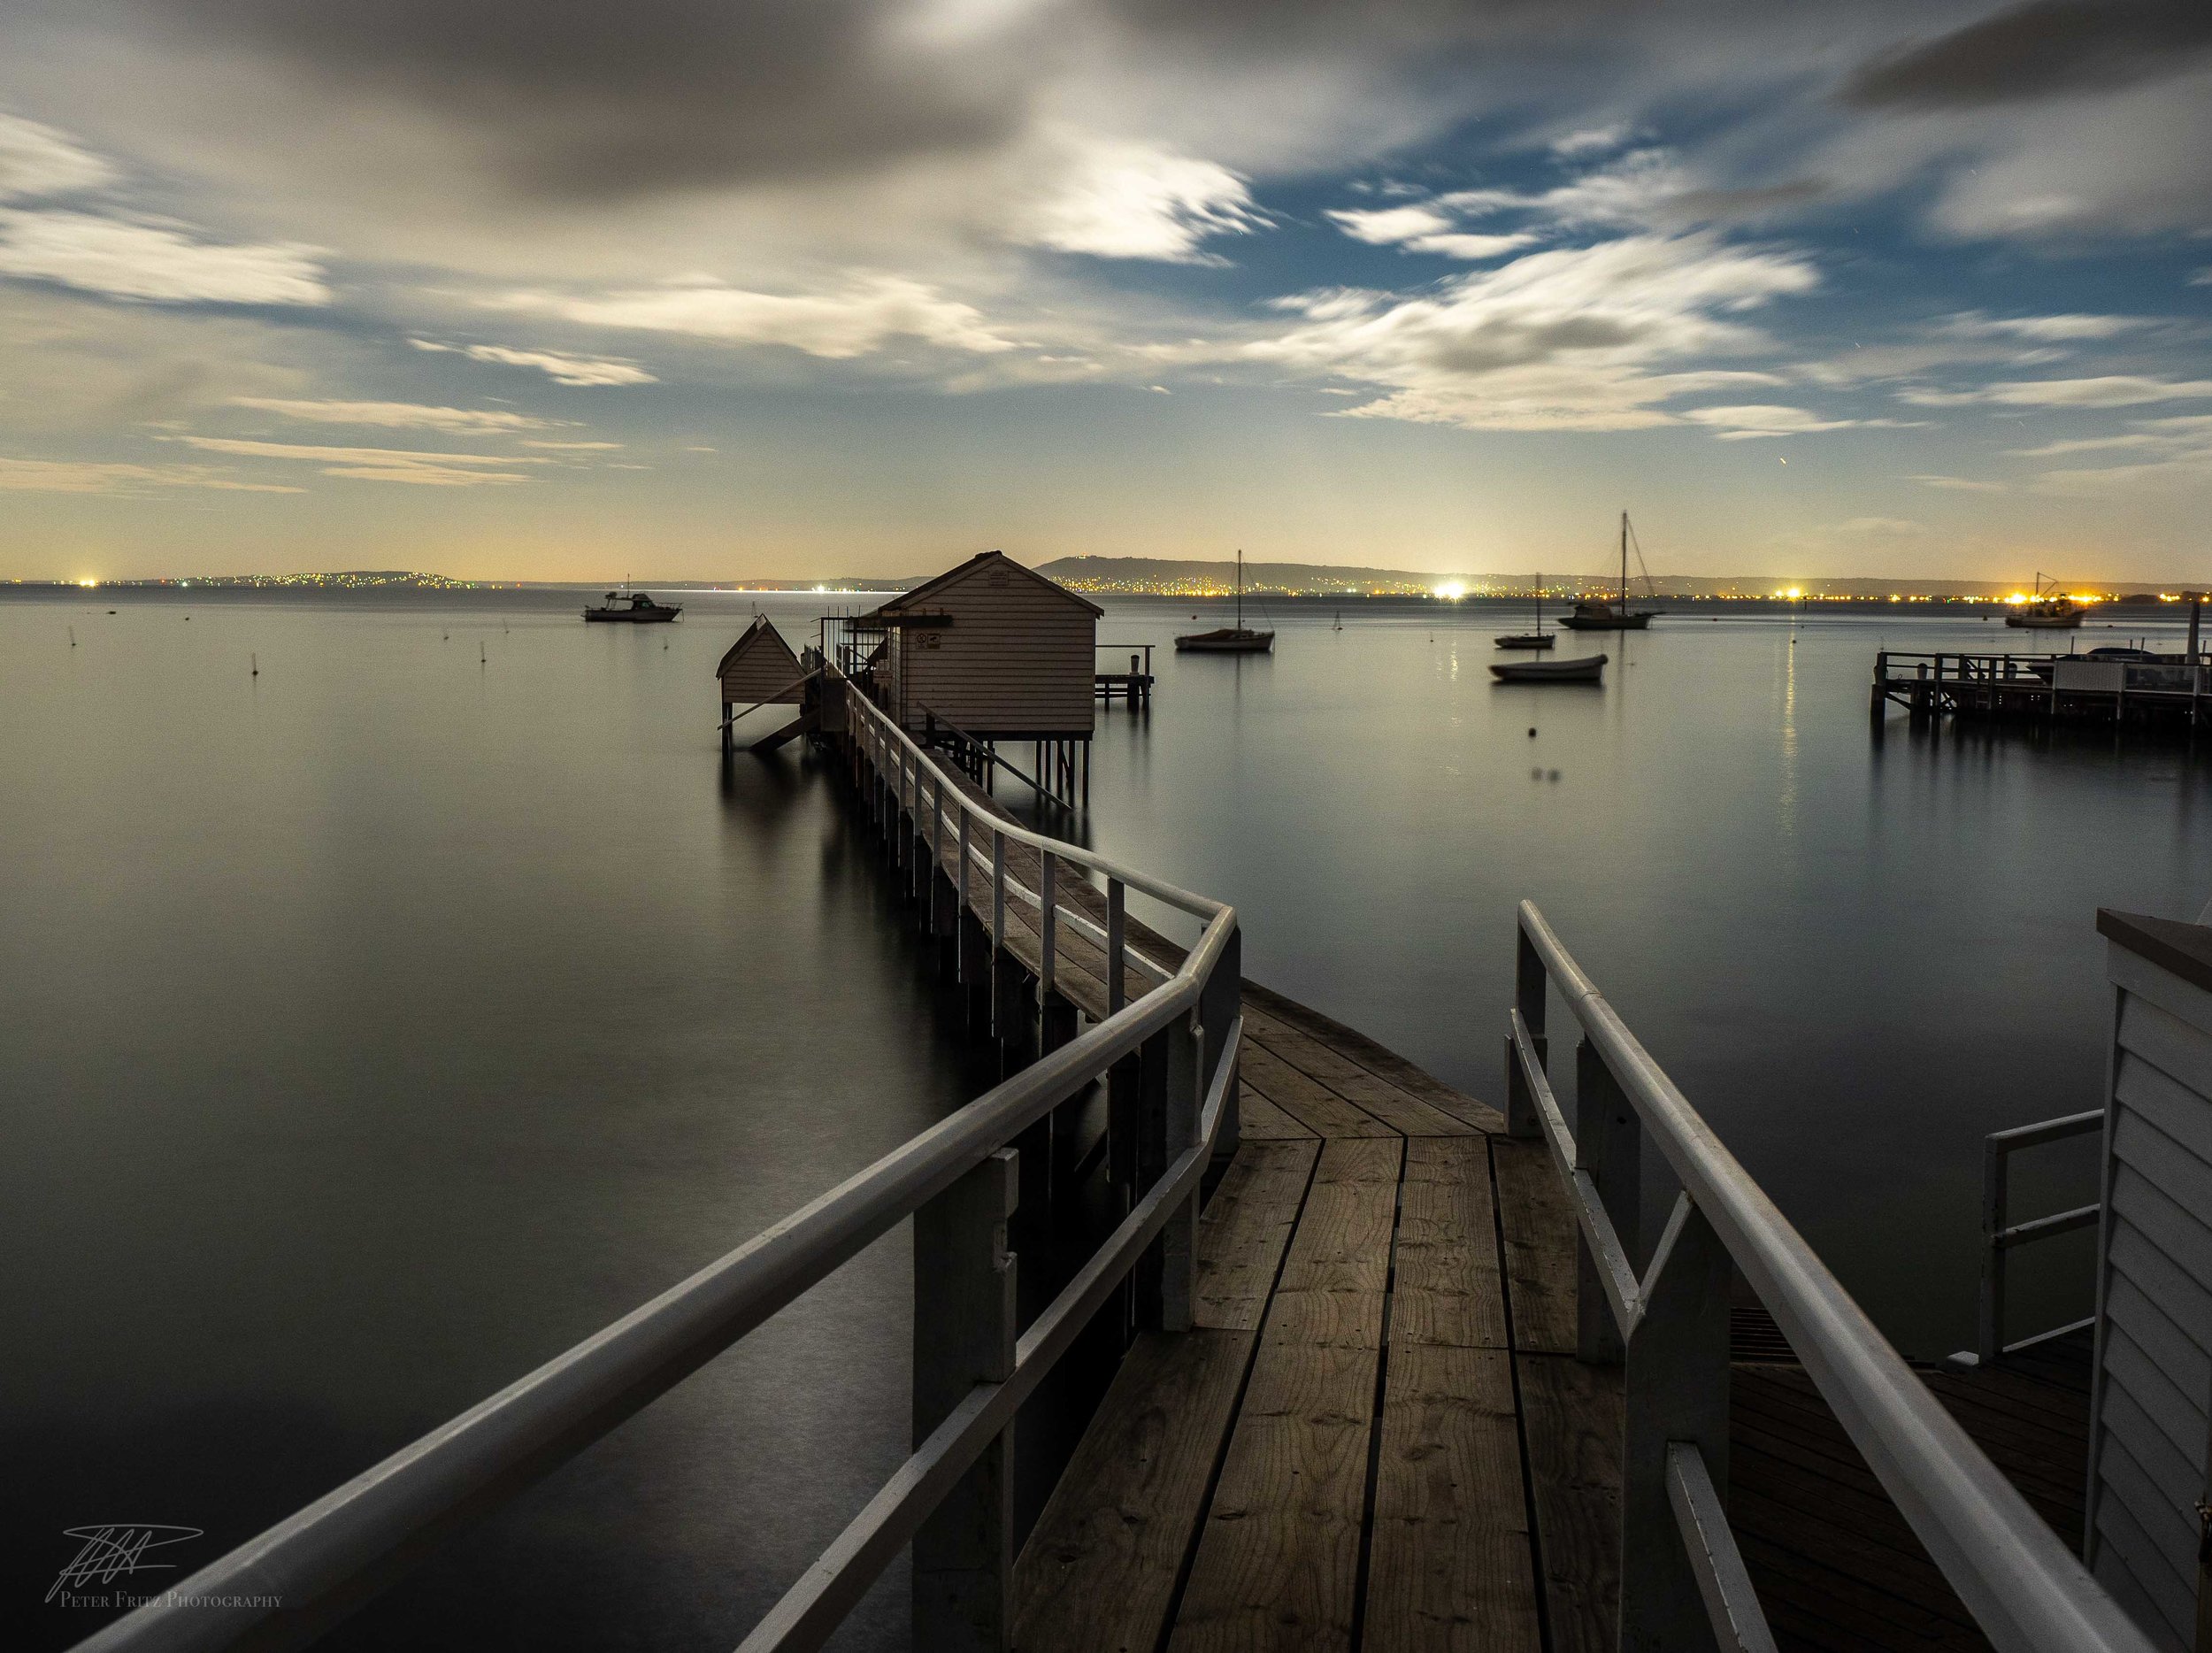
<point>2026,1590</point>
<point>2000,1234</point>
<point>290,1582</point>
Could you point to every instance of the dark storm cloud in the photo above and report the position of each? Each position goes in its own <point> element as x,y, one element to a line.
<point>590,100</point>
<point>2041,50</point>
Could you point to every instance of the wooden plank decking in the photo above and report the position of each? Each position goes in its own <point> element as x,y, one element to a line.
<point>1378,1434</point>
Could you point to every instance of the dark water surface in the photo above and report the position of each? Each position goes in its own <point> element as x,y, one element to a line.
<point>372,1030</point>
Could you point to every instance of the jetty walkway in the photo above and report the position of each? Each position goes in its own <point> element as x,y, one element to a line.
<point>1400,1370</point>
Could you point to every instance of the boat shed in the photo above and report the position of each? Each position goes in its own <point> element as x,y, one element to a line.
<point>760,669</point>
<point>990,651</point>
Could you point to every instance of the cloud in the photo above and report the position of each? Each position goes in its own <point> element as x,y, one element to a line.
<point>1741,424</point>
<point>573,447</point>
<point>36,160</point>
<point>2174,452</point>
<point>1959,484</point>
<point>377,464</point>
<point>1646,189</point>
<point>1136,201</point>
<point>602,103</point>
<point>1879,524</point>
<point>860,315</point>
<point>127,258</point>
<point>1589,338</point>
<point>2044,49</point>
<point>76,476</point>
<point>1424,229</point>
<point>396,415</point>
<point>1591,141</point>
<point>562,369</point>
<point>2110,390</point>
<point>2048,329</point>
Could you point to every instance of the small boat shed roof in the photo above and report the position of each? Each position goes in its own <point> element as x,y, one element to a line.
<point>922,595</point>
<point>760,668</point>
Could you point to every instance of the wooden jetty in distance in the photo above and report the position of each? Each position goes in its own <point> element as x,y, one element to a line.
<point>1401,1370</point>
<point>1135,685</point>
<point>2147,691</point>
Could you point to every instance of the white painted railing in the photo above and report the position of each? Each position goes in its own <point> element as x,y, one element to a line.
<point>1176,1044</point>
<point>1682,1583</point>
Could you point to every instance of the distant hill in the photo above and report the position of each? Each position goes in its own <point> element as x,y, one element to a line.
<point>1166,577</point>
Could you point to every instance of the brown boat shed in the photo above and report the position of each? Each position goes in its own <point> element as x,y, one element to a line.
<point>988,652</point>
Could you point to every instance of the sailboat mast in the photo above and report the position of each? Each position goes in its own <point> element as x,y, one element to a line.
<point>1240,588</point>
<point>1623,562</point>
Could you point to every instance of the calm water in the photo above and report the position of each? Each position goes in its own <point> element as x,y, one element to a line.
<point>371,1030</point>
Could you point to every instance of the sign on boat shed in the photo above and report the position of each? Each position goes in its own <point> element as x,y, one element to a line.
<point>991,649</point>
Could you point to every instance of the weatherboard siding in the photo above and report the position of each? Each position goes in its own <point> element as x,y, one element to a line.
<point>1013,661</point>
<point>2151,1421</point>
<point>760,669</point>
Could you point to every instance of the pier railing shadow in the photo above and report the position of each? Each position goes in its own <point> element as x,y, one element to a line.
<point>1175,1040</point>
<point>1684,1583</point>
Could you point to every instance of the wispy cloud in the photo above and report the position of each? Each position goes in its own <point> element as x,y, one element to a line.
<point>1139,201</point>
<point>1424,229</point>
<point>1588,338</point>
<point>2065,329</point>
<point>129,259</point>
<point>1959,484</point>
<point>36,160</point>
<point>377,464</point>
<point>2108,390</point>
<point>562,369</point>
<point>859,316</point>
<point>85,476</point>
<point>1765,418</point>
<point>397,415</point>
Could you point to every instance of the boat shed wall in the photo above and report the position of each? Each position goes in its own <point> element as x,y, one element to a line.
<point>995,649</point>
<point>760,668</point>
<point>2151,1413</point>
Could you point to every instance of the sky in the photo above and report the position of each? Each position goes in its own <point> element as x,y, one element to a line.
<point>709,289</point>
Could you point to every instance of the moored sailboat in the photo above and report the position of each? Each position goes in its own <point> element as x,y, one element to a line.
<point>1605,614</point>
<point>1538,639</point>
<point>1237,639</point>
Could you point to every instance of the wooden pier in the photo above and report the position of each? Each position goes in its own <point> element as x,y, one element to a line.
<point>1379,1430</point>
<point>1134,685</point>
<point>2170,692</point>
<point>1394,1370</point>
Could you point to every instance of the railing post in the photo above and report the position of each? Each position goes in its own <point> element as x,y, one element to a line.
<point>1990,1332</point>
<point>1179,1241</point>
<point>965,817</point>
<point>1608,1144</point>
<point>1117,944</point>
<point>1047,927</point>
<point>963,1335</point>
<point>1220,1002</point>
<point>1675,1390</point>
<point>1146,1161</point>
<point>1528,998</point>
